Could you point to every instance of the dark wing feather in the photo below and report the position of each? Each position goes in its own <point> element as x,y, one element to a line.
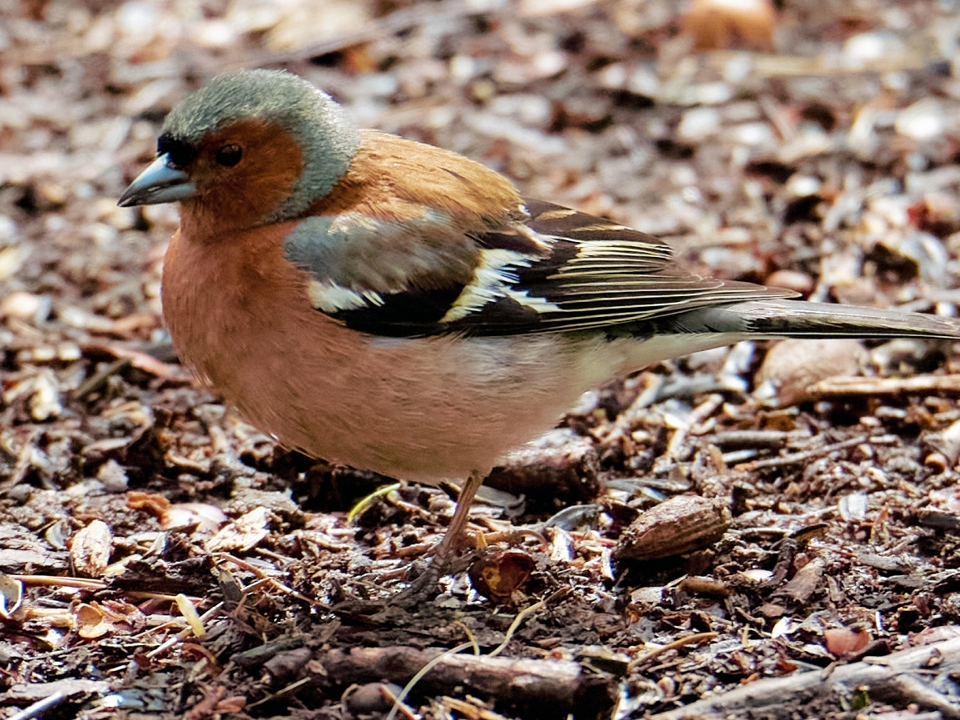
<point>599,275</point>
<point>561,271</point>
<point>393,278</point>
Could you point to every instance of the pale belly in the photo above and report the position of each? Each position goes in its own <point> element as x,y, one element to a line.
<point>438,410</point>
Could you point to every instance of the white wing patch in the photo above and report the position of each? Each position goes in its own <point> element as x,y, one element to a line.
<point>331,297</point>
<point>491,281</point>
<point>539,304</point>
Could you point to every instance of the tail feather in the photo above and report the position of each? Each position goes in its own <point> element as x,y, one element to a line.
<point>799,319</point>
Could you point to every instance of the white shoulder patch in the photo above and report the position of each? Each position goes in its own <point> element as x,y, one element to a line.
<point>331,297</point>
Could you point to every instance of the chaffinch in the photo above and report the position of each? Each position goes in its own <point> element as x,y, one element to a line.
<point>396,307</point>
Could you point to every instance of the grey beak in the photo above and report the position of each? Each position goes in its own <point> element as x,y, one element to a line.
<point>161,182</point>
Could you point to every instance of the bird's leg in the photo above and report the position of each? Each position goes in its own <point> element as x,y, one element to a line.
<point>458,524</point>
<point>443,552</point>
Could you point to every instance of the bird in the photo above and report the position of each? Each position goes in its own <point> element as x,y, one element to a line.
<point>397,307</point>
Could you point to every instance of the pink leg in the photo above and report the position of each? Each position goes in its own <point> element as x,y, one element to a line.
<point>444,551</point>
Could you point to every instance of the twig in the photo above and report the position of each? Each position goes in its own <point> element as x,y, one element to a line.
<point>396,703</point>
<point>38,707</point>
<point>470,636</point>
<point>679,643</point>
<point>840,386</point>
<point>806,455</point>
<point>55,581</point>
<point>521,616</point>
<point>185,633</point>
<point>97,380</point>
<point>267,579</point>
<point>678,442</point>
<point>279,693</point>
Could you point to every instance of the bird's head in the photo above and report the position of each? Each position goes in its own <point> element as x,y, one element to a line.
<point>252,148</point>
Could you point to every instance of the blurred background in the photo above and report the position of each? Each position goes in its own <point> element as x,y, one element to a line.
<point>811,144</point>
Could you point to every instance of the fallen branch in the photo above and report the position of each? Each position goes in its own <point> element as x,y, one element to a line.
<point>536,688</point>
<point>905,677</point>
<point>840,386</point>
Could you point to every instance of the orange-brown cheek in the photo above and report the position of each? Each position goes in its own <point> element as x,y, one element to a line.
<point>276,165</point>
<point>242,196</point>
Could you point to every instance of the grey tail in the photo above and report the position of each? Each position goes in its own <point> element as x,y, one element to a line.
<point>799,319</point>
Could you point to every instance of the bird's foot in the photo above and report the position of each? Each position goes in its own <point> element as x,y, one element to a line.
<point>425,586</point>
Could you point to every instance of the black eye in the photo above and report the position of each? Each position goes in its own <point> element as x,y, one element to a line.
<point>229,155</point>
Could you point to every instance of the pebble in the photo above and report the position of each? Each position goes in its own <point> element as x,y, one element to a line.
<point>922,121</point>
<point>214,34</point>
<point>8,229</point>
<point>755,133</point>
<point>860,50</point>
<point>698,124</point>
<point>801,186</point>
<point>790,279</point>
<point>25,306</point>
<point>534,110</point>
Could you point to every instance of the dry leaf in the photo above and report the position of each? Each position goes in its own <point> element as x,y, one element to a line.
<point>498,576</point>
<point>731,24</point>
<point>91,623</point>
<point>207,518</point>
<point>242,534</point>
<point>844,642</point>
